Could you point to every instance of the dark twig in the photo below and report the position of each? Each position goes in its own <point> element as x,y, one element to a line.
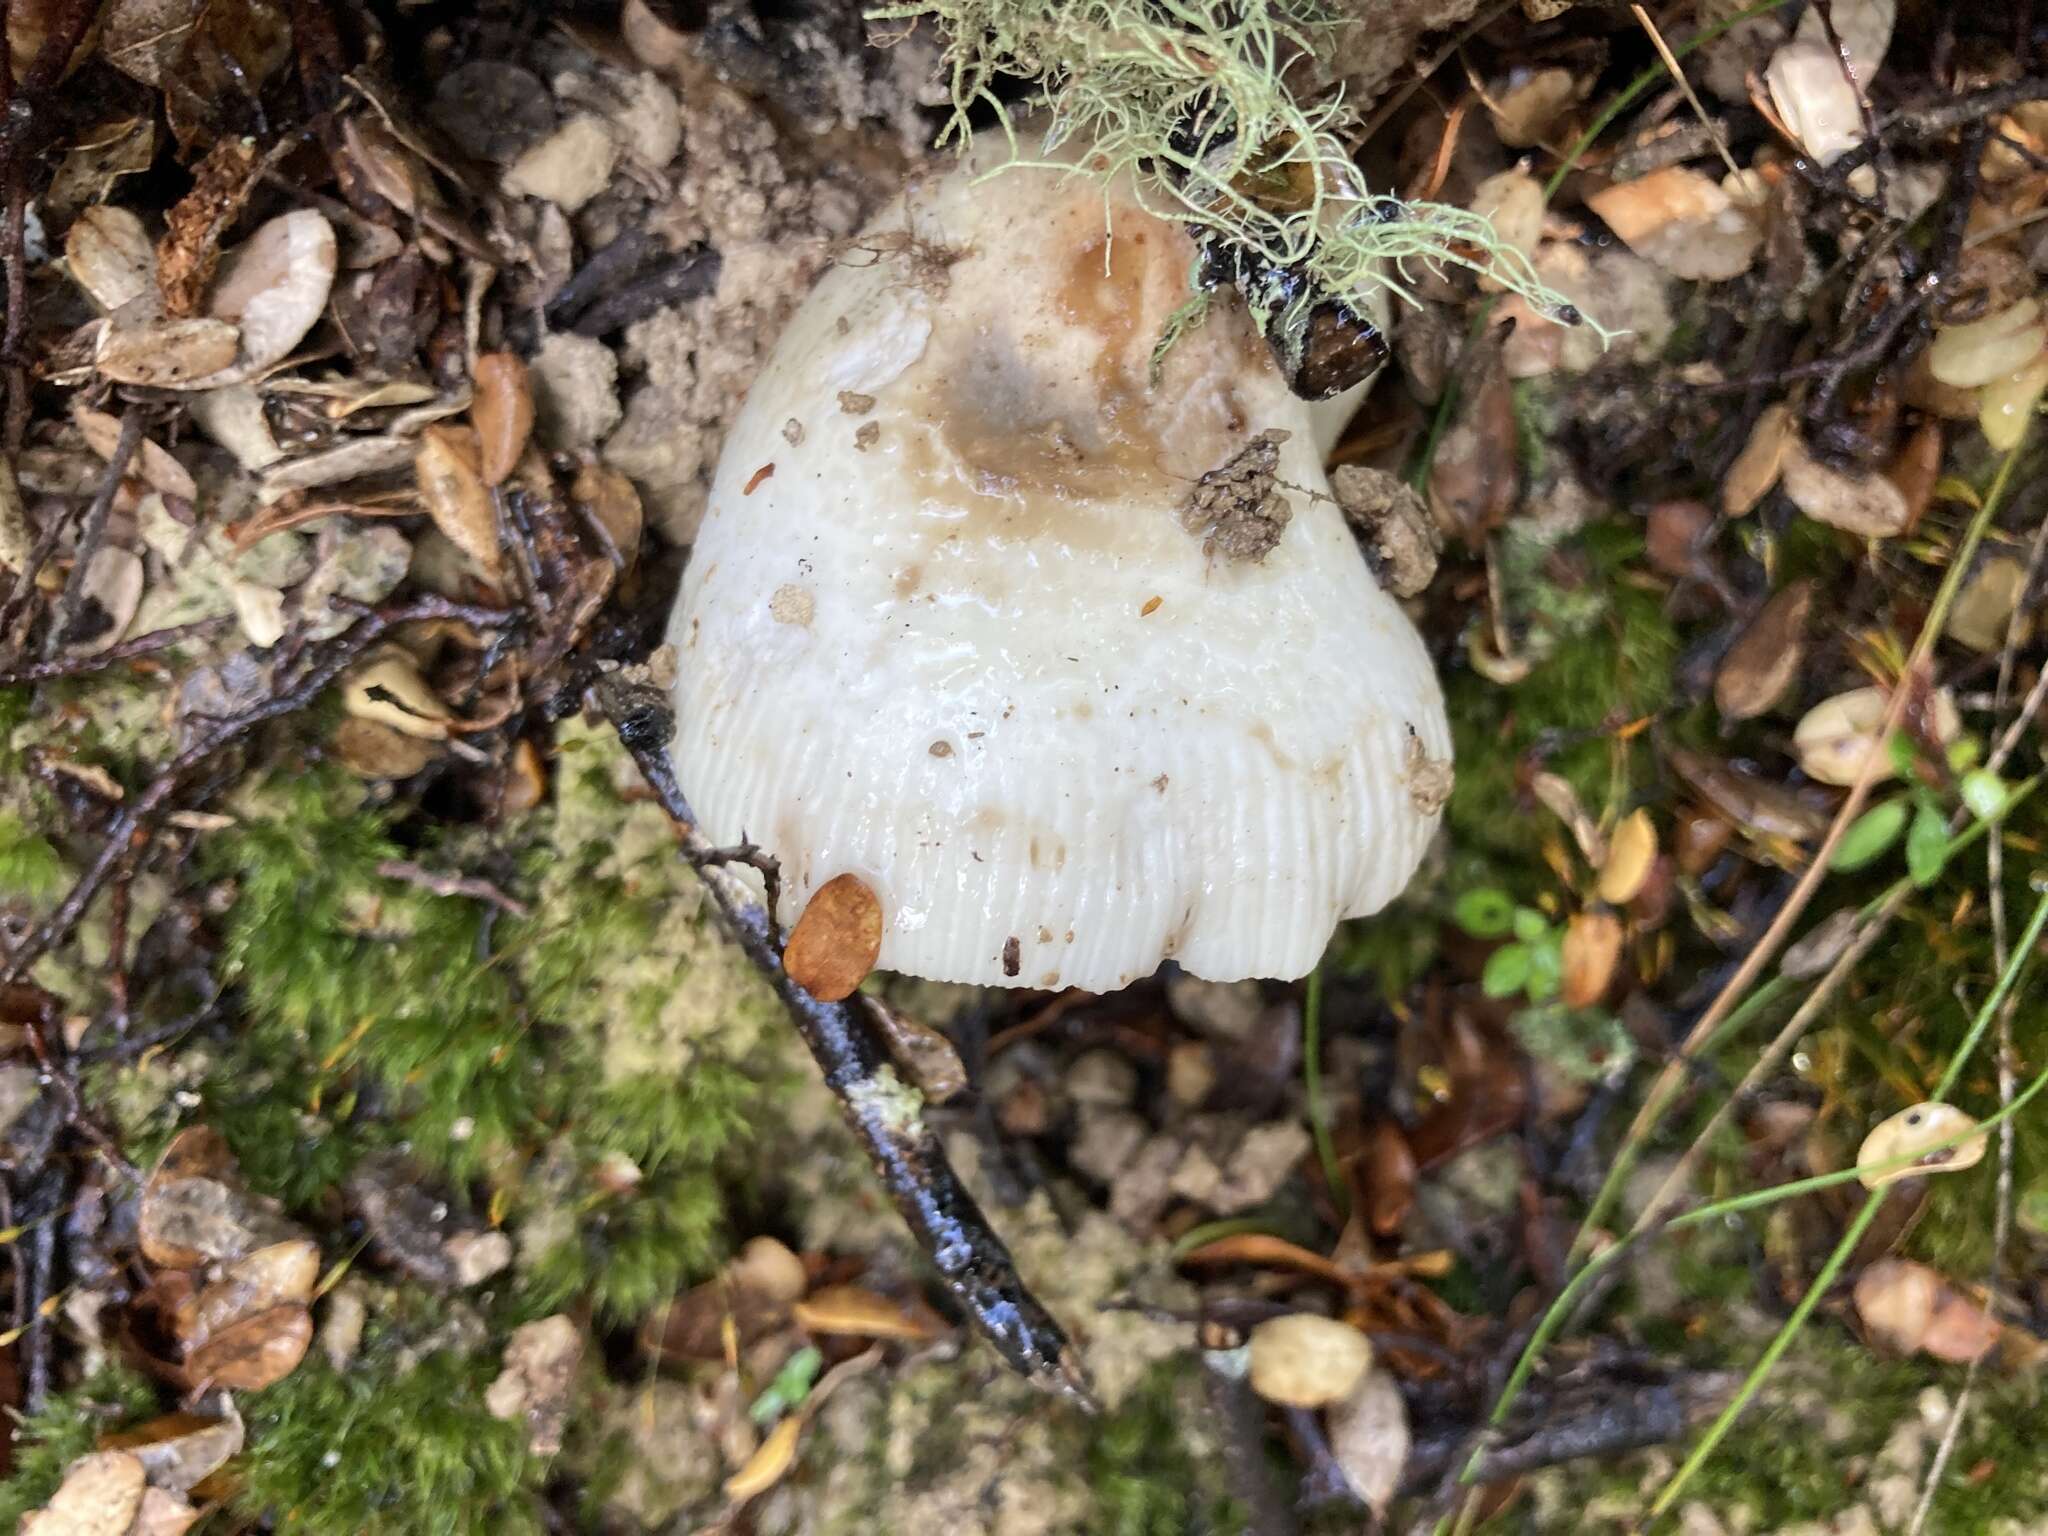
<point>93,531</point>
<point>45,1198</point>
<point>1241,1427</point>
<point>133,818</point>
<point>451,885</point>
<point>60,1075</point>
<point>128,650</point>
<point>949,1227</point>
<point>688,276</point>
<point>605,270</point>
<point>1624,1419</point>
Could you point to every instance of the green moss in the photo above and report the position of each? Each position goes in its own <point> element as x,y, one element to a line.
<point>377,1450</point>
<point>1146,1480</point>
<point>31,869</point>
<point>1603,652</point>
<point>64,1429</point>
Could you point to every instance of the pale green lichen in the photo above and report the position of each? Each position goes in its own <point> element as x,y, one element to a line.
<point>1194,101</point>
<point>894,1104</point>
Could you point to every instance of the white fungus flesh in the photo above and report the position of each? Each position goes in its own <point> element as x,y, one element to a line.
<point>945,629</point>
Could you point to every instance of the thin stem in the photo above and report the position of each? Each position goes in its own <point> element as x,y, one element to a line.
<point>1312,1084</point>
<point>1723,1422</point>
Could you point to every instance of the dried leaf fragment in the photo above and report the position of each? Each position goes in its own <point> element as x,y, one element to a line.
<point>451,480</point>
<point>1682,221</point>
<point>389,691</point>
<point>1757,467</point>
<point>276,1275</point>
<point>1369,1437</point>
<point>1858,501</point>
<point>1765,660</point>
<point>1837,736</point>
<point>108,254</point>
<point>1592,948</point>
<point>836,940</point>
<point>167,354</point>
<point>502,413</point>
<point>769,1464</point>
<point>1631,850</point>
<point>257,1352</point>
<point>861,1313</point>
<point>1914,1133</point>
<point>181,1450</point>
<point>99,1496</point>
<point>274,286</point>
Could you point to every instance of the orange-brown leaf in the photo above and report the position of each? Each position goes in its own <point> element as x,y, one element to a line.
<point>861,1313</point>
<point>835,942</point>
<point>255,1353</point>
<point>502,413</point>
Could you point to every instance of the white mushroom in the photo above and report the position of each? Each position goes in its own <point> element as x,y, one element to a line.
<point>947,628</point>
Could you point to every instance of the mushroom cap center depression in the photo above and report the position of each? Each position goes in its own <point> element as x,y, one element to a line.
<point>958,642</point>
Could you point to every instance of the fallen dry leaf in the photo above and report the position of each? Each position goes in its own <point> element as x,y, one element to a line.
<point>113,591</point>
<point>376,751</point>
<point>1896,1299</point>
<point>1909,1307</point>
<point>1910,1133</point>
<point>276,1275</point>
<point>502,413</point>
<point>1682,221</point>
<point>834,944</point>
<point>1592,948</point>
<point>1766,658</point>
<point>769,1464</point>
<point>163,1513</point>
<point>860,1313</point>
<point>1984,608</point>
<point>449,468</point>
<point>255,1353</point>
<point>1837,736</point>
<point>99,1496</point>
<point>1369,1438</point>
<point>1305,1360</point>
<point>388,690</point>
<point>1631,850</point>
<point>108,254</point>
<point>1917,470</point>
<point>167,354</point>
<point>926,1056</point>
<point>161,472</point>
<point>180,1450</point>
<point>1757,467</point>
<point>1857,501</point>
<point>274,286</point>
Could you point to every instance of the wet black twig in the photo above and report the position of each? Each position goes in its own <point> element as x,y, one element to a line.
<point>883,1111</point>
<point>605,270</point>
<point>46,1197</point>
<point>689,276</point>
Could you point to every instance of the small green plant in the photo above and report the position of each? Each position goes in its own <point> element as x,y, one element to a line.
<point>1921,814</point>
<point>1194,100</point>
<point>1531,964</point>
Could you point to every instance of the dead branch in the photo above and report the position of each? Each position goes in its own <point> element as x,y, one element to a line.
<point>472,886</point>
<point>949,1227</point>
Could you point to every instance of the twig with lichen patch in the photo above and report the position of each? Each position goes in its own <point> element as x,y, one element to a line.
<point>883,1111</point>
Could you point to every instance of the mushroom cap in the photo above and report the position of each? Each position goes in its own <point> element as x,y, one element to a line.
<point>960,644</point>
